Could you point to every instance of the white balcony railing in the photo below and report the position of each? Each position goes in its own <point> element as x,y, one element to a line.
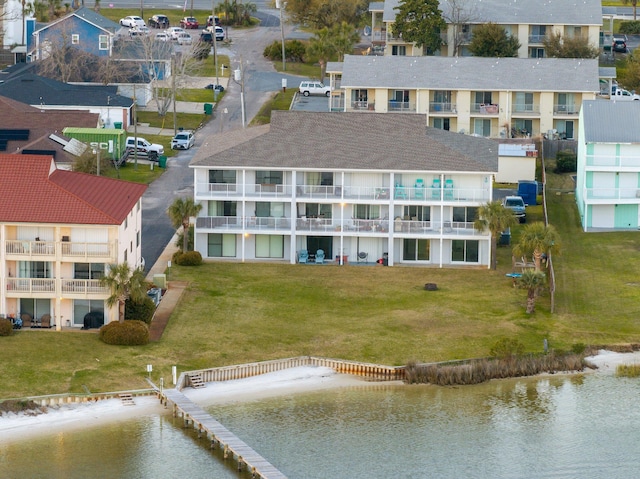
<point>613,194</point>
<point>630,162</point>
<point>83,286</point>
<point>42,249</point>
<point>31,285</point>
<point>52,287</point>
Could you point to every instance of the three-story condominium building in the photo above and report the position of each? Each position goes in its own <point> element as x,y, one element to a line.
<point>344,188</point>
<point>490,97</point>
<point>608,172</point>
<point>59,232</point>
<point>531,22</point>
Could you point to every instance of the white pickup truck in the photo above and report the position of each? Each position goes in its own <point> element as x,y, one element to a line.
<point>623,95</point>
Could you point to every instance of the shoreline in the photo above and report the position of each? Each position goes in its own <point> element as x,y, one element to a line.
<point>15,427</point>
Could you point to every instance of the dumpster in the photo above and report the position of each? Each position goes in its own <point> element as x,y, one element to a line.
<point>208,108</point>
<point>162,161</point>
<point>117,125</point>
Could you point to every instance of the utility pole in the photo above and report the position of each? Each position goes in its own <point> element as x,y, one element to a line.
<point>238,77</point>
<point>280,5</point>
<point>215,47</point>
<point>173,91</point>
<point>135,129</point>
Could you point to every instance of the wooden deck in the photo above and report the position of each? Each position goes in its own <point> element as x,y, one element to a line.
<point>217,433</point>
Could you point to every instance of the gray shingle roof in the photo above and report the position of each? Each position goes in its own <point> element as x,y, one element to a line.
<point>357,141</point>
<point>533,12</point>
<point>471,73</point>
<point>608,121</point>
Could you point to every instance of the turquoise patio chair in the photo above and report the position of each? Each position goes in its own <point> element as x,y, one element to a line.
<point>448,189</point>
<point>320,256</point>
<point>303,256</point>
<point>401,192</point>
<point>435,189</point>
<point>419,189</point>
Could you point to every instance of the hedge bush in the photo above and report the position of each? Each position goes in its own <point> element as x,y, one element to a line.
<point>566,162</point>
<point>139,311</point>
<point>630,27</point>
<point>190,258</point>
<point>294,51</point>
<point>6,328</point>
<point>129,333</point>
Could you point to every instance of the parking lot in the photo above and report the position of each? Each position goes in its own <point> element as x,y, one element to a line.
<point>310,103</point>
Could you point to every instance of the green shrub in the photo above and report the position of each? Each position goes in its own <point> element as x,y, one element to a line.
<point>190,258</point>
<point>129,333</point>
<point>579,348</point>
<point>628,370</point>
<point>139,311</point>
<point>630,27</point>
<point>6,328</point>
<point>505,348</point>
<point>566,162</point>
<point>294,51</point>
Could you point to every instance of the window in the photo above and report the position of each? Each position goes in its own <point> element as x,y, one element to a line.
<point>537,33</point>
<point>35,307</point>
<point>222,176</point>
<point>463,214</point>
<point>399,50</point>
<point>103,42</point>
<point>137,239</point>
<point>421,213</point>
<point>125,255</point>
<point>316,210</point>
<point>221,246</point>
<point>75,39</point>
<point>524,102</point>
<point>269,210</point>
<point>222,208</point>
<point>464,251</point>
<point>34,269</point>
<point>83,306</point>
<point>523,127</point>
<point>441,123</point>
<point>322,178</point>
<point>268,246</point>
<point>565,129</point>
<point>88,270</point>
<point>269,177</point>
<point>483,97</point>
<point>415,249</point>
<point>126,222</point>
<point>359,98</point>
<point>482,127</point>
<point>366,212</point>
<point>536,52</point>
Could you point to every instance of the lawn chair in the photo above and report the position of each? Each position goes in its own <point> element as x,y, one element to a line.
<point>419,189</point>
<point>401,192</point>
<point>26,320</point>
<point>320,256</point>
<point>435,189</point>
<point>448,190</point>
<point>303,256</point>
<point>45,321</point>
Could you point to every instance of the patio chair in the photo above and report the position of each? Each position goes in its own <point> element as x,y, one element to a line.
<point>362,256</point>
<point>419,189</point>
<point>26,320</point>
<point>303,256</point>
<point>448,189</point>
<point>45,321</point>
<point>401,192</point>
<point>320,256</point>
<point>435,189</point>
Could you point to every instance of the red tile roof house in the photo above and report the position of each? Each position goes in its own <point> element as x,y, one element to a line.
<point>59,231</point>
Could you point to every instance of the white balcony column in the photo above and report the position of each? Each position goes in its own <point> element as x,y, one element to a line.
<point>57,314</point>
<point>293,215</point>
<point>341,232</point>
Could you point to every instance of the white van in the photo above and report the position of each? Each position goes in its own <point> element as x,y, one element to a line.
<point>312,87</point>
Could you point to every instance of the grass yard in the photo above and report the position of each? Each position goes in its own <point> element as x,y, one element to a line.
<point>279,101</point>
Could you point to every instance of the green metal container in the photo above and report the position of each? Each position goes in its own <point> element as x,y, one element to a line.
<point>208,108</point>
<point>162,161</point>
<point>111,142</point>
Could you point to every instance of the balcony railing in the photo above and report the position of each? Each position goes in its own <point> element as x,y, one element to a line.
<point>361,105</point>
<point>41,249</point>
<point>613,194</point>
<point>51,287</point>
<point>566,109</point>
<point>537,38</point>
<point>442,107</point>
<point>239,222</point>
<point>402,106</point>
<point>526,108</point>
<point>631,162</point>
<point>485,109</point>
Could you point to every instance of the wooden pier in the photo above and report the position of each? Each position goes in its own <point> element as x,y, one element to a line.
<point>245,456</point>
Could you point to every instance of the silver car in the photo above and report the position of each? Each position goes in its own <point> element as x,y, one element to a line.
<point>183,140</point>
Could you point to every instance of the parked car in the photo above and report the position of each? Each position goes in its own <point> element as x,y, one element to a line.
<point>213,20</point>
<point>206,37</point>
<point>173,32</point>
<point>211,86</point>
<point>151,150</point>
<point>189,23</point>
<point>162,37</point>
<point>309,87</point>
<point>159,21</point>
<point>183,140</point>
<point>219,32</point>
<point>132,21</point>
<point>184,39</point>
<point>139,31</point>
<point>516,204</point>
<point>619,45</point>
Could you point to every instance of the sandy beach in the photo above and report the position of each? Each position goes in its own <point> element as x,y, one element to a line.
<point>295,380</point>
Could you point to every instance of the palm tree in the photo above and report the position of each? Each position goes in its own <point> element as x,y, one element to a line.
<point>533,281</point>
<point>537,240</point>
<point>634,4</point>
<point>124,283</point>
<point>180,213</point>
<point>344,37</point>
<point>321,46</point>
<point>496,218</point>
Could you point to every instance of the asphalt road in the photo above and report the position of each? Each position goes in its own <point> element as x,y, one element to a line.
<point>261,81</point>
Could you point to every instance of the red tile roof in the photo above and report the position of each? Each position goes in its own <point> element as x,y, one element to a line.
<point>34,191</point>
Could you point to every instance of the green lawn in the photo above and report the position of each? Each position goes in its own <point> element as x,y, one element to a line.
<point>258,311</point>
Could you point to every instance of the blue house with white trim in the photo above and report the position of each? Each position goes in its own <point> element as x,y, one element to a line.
<point>84,29</point>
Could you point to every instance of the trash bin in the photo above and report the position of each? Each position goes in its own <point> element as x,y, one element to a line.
<point>208,108</point>
<point>505,237</point>
<point>162,161</point>
<point>117,125</point>
<point>385,259</point>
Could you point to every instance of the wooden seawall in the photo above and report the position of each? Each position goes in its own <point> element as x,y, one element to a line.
<point>220,435</point>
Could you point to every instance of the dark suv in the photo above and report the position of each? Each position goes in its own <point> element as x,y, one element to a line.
<point>159,21</point>
<point>619,45</point>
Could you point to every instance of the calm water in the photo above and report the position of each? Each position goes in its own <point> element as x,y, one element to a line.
<point>563,427</point>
